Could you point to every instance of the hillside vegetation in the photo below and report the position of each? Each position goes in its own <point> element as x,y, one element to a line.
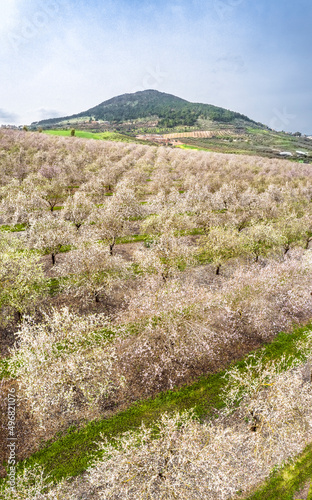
<point>155,117</point>
<point>127,270</point>
<point>169,110</point>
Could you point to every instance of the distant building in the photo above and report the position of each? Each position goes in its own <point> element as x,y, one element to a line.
<point>285,153</point>
<point>11,127</point>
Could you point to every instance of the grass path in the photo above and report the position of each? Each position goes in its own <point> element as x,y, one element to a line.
<point>71,454</point>
<point>287,482</point>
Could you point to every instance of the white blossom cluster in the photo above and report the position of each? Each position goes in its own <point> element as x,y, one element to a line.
<point>64,365</point>
<point>226,265</point>
<point>181,457</point>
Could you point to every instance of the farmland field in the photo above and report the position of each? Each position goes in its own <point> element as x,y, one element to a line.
<point>151,284</point>
<point>256,142</point>
<point>106,136</point>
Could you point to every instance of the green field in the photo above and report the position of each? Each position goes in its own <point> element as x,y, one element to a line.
<point>104,136</point>
<point>254,142</point>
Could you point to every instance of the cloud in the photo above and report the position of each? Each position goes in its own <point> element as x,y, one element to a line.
<point>73,54</point>
<point>6,116</point>
<point>44,113</point>
<point>9,17</point>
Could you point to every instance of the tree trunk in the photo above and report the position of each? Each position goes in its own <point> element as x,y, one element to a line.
<point>18,316</point>
<point>53,259</point>
<point>111,246</point>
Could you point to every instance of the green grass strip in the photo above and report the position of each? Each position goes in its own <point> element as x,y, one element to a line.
<point>71,454</point>
<point>289,480</point>
<point>132,239</point>
<point>83,134</point>
<point>8,228</point>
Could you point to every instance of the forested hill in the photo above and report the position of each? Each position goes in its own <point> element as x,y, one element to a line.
<point>169,110</point>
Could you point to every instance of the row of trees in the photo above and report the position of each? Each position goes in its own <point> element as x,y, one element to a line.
<point>236,219</point>
<point>168,333</point>
<point>181,457</point>
<point>173,319</point>
<point>77,162</point>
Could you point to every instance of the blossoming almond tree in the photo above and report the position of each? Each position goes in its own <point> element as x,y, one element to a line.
<point>222,244</point>
<point>90,271</point>
<point>64,365</point>
<point>112,220</point>
<point>261,239</point>
<point>49,234</point>
<point>52,191</point>
<point>22,282</point>
<point>77,209</point>
<point>165,256</point>
<point>21,207</point>
<point>292,232</point>
<point>182,458</point>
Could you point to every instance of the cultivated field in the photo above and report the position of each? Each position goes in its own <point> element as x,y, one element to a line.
<point>129,270</point>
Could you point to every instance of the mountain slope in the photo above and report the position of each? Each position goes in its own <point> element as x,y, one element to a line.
<point>168,110</point>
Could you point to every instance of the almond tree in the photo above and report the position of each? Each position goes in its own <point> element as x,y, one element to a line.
<point>112,220</point>
<point>19,206</point>
<point>77,209</point>
<point>222,244</point>
<point>225,197</point>
<point>291,231</point>
<point>48,187</point>
<point>103,182</point>
<point>165,256</point>
<point>34,484</point>
<point>64,365</point>
<point>22,282</point>
<point>270,298</point>
<point>50,234</point>
<point>247,211</point>
<point>166,221</point>
<point>261,239</point>
<point>91,271</point>
<point>166,213</point>
<point>52,191</point>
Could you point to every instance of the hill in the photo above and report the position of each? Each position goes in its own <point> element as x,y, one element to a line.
<point>155,117</point>
<point>153,108</point>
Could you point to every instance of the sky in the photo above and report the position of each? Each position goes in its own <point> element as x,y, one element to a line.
<point>59,57</point>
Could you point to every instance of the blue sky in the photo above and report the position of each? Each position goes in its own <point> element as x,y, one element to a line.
<point>59,57</point>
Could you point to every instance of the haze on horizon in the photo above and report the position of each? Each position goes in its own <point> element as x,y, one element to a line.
<point>61,57</point>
